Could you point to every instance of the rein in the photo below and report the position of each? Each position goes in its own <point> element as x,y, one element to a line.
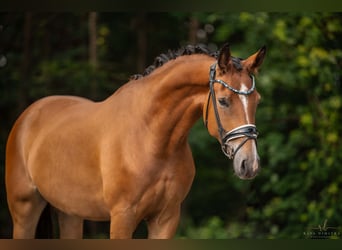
<point>249,131</point>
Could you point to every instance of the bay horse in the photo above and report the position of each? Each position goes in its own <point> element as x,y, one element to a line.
<point>127,158</point>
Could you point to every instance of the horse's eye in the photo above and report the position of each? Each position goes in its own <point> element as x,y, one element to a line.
<point>223,102</point>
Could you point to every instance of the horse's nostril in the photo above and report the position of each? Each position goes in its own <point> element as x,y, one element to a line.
<point>246,168</point>
<point>243,167</point>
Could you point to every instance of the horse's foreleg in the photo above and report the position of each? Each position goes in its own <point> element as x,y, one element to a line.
<point>164,225</point>
<point>70,227</point>
<point>122,224</point>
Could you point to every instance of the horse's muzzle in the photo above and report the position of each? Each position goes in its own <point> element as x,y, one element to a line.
<point>246,167</point>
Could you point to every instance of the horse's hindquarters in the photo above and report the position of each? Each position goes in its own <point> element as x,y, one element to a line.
<point>47,161</point>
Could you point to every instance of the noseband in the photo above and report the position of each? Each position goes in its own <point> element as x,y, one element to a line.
<point>249,131</point>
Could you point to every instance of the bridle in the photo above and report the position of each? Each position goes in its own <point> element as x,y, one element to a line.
<point>249,131</point>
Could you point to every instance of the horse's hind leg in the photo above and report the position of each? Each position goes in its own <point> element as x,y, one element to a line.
<point>25,213</point>
<point>70,227</point>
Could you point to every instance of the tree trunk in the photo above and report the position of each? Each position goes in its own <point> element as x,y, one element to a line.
<point>193,28</point>
<point>92,23</point>
<point>141,41</point>
<point>25,66</point>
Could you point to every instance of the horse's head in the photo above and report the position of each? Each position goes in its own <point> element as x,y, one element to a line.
<point>229,112</point>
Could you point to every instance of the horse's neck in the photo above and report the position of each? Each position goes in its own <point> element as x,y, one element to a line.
<point>175,99</point>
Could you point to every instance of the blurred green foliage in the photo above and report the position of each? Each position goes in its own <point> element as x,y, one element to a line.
<point>299,117</point>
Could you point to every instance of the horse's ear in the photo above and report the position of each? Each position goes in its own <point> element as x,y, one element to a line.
<point>253,62</point>
<point>224,58</point>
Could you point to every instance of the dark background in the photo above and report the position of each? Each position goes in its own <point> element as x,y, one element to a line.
<point>299,117</point>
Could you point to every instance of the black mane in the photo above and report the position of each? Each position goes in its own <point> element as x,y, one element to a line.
<point>187,50</point>
<point>170,55</point>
